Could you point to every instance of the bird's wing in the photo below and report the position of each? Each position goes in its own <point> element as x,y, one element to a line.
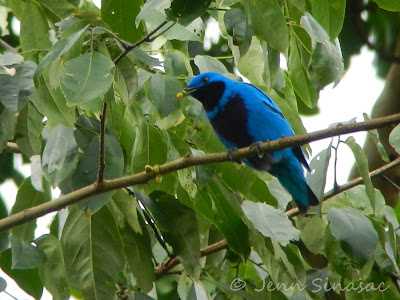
<point>261,96</point>
<point>266,122</point>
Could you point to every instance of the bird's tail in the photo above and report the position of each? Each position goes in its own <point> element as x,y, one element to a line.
<point>292,179</point>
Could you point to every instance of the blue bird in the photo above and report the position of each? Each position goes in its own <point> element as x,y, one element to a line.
<point>243,115</point>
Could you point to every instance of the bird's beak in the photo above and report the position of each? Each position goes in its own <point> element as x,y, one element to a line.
<point>186,92</point>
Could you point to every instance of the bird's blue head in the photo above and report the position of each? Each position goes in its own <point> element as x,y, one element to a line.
<point>207,88</point>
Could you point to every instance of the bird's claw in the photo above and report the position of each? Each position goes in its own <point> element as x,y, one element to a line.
<point>230,152</point>
<point>257,145</point>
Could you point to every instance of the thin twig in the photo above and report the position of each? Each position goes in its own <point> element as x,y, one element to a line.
<point>102,164</point>
<point>391,182</point>
<point>161,33</point>
<point>147,38</point>
<point>32,213</point>
<point>7,46</point>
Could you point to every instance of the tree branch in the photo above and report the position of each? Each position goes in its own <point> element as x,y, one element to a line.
<point>186,162</point>
<point>163,268</point>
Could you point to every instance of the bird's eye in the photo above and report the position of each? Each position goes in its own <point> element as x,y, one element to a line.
<point>204,80</point>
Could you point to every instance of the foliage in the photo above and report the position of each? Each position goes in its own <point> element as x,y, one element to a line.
<point>52,96</point>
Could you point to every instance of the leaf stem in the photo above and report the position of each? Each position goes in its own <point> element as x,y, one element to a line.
<point>102,164</point>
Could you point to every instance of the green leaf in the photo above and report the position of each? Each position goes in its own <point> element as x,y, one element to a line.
<point>326,63</point>
<point>270,222</point>
<point>93,253</point>
<point>126,80</point>
<point>358,198</point>
<point>4,236</point>
<point>87,128</point>
<point>251,65</point>
<point>179,229</point>
<point>228,218</point>
<point>8,123</point>
<point>163,93</point>
<point>272,71</point>
<point>60,8</point>
<point>268,22</point>
<point>86,170</point>
<point>330,15</point>
<point>177,64</point>
<point>8,59</point>
<point>313,233</point>
<point>60,154</point>
<point>337,10</point>
<point>185,11</point>
<point>339,260</point>
<point>70,36</point>
<point>120,15</point>
<point>150,148</point>
<point>193,32</point>
<point>198,291</point>
<point>25,255</point>
<point>149,6</point>
<point>53,272</point>
<point>29,130</point>
<point>374,135</point>
<point>237,25</point>
<point>298,77</point>
<point>34,30</point>
<point>394,138</point>
<point>27,279</point>
<point>319,166</point>
<point>355,233</point>
<point>388,5</point>
<point>362,166</point>
<point>137,247</point>
<point>127,207</point>
<point>15,90</point>
<point>207,63</point>
<point>3,284</point>
<point>53,105</point>
<point>86,77</point>
<point>28,197</point>
<point>143,57</point>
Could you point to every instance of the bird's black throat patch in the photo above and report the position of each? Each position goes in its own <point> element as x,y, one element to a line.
<point>209,94</point>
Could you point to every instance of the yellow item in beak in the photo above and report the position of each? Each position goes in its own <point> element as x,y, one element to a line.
<point>180,95</point>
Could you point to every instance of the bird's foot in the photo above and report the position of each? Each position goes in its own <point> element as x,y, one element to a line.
<point>257,145</point>
<point>230,152</point>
